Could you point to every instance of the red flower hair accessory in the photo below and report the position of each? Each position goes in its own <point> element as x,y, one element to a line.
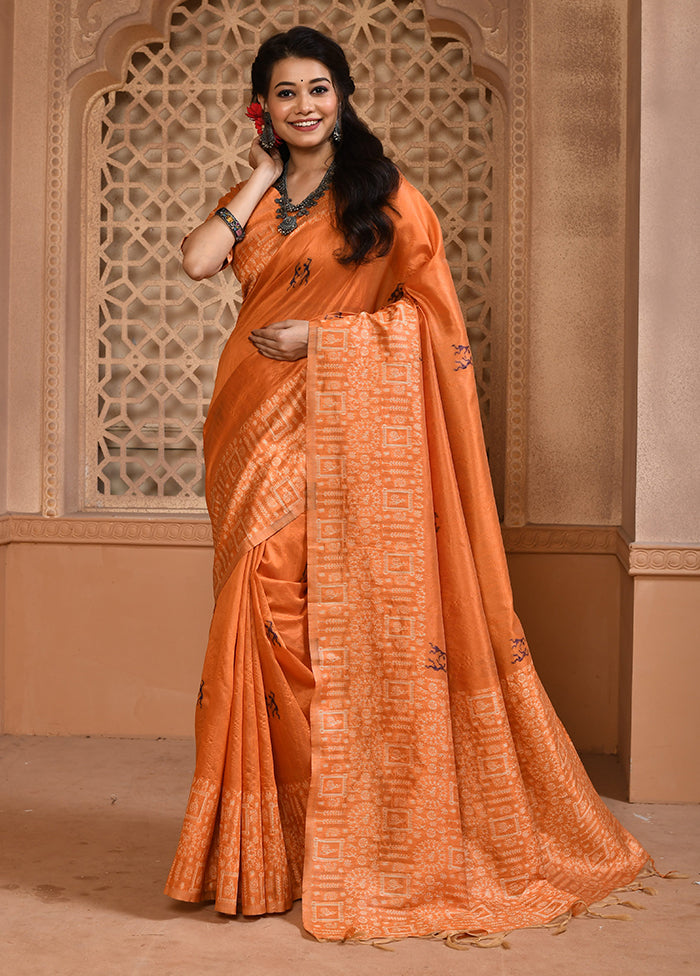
<point>255,112</point>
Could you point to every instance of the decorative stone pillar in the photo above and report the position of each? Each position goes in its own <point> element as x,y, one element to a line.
<point>663,619</point>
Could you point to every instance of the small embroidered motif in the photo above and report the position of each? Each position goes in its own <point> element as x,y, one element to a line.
<point>271,634</point>
<point>272,709</point>
<point>520,649</point>
<point>463,356</point>
<point>301,272</point>
<point>437,522</point>
<point>305,575</point>
<point>396,294</point>
<point>200,696</point>
<point>438,661</point>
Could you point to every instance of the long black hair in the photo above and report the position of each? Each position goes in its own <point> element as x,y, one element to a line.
<point>364,178</point>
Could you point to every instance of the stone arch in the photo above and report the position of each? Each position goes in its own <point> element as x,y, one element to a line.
<point>99,46</point>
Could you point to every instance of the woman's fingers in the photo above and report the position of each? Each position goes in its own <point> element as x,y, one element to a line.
<point>287,340</point>
<point>266,346</point>
<point>275,328</point>
<point>259,157</point>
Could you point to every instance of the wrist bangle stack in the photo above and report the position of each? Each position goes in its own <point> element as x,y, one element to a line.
<point>233,225</point>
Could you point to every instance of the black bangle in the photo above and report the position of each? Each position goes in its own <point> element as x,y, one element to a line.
<point>233,225</point>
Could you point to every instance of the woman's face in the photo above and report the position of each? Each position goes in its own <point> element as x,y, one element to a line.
<point>302,102</point>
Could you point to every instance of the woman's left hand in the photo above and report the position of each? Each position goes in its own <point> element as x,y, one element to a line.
<point>287,340</point>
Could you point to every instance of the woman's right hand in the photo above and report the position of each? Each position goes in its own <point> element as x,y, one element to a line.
<point>268,163</point>
<point>208,246</point>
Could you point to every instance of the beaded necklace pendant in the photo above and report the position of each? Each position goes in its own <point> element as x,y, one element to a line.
<point>288,224</point>
<point>287,212</point>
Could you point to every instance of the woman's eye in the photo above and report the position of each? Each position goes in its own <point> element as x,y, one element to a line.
<point>320,90</point>
<point>285,93</point>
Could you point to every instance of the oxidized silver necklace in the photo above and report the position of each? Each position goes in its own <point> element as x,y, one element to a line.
<point>288,212</point>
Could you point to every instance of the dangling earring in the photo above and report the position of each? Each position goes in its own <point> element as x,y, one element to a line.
<point>267,137</point>
<point>337,133</point>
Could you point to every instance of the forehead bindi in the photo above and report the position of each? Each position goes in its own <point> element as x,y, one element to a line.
<point>299,71</point>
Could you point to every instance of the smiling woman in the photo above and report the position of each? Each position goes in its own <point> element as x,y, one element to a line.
<point>303,109</point>
<point>371,733</point>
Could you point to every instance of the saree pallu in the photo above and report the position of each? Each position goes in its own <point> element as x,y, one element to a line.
<point>403,770</point>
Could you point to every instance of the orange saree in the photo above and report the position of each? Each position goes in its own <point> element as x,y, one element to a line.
<point>371,733</point>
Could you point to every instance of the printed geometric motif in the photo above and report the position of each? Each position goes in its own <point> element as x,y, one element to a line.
<point>260,477</point>
<point>398,562</point>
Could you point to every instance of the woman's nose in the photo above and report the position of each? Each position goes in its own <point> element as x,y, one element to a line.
<point>305,104</point>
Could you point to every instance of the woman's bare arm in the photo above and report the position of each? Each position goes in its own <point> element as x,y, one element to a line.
<point>205,249</point>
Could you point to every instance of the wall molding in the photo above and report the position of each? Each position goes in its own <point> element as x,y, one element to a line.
<point>573,539</point>
<point>657,558</point>
<point>638,559</point>
<point>131,531</point>
<point>664,561</point>
<point>189,531</point>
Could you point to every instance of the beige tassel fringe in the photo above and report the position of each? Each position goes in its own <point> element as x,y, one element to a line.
<point>498,940</point>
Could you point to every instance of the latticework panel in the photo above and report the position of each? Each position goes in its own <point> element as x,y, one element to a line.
<point>164,147</point>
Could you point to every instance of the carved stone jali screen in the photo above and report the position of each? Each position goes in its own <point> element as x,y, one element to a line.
<point>160,151</point>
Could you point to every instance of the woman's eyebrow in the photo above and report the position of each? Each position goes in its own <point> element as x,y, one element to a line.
<point>291,84</point>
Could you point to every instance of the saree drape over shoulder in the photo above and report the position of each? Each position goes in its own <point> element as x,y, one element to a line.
<point>371,733</point>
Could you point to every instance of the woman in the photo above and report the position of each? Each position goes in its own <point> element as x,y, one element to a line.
<point>371,734</point>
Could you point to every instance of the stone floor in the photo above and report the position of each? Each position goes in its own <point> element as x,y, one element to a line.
<point>88,827</point>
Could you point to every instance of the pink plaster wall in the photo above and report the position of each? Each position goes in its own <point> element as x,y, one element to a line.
<point>105,640</point>
<point>577,261</point>
<point>26,237</point>
<point>6,31</point>
<point>668,438</point>
<point>664,666</point>
<point>3,633</point>
<point>569,608</point>
<point>665,759</point>
<point>109,640</point>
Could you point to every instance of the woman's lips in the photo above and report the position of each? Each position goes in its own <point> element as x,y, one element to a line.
<point>306,126</point>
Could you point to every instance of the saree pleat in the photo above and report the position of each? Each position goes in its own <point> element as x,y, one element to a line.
<point>242,841</point>
<point>379,744</point>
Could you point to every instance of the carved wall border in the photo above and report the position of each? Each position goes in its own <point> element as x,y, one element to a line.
<point>54,298</point>
<point>580,540</point>
<point>486,24</point>
<point>197,531</point>
<point>69,90</point>
<point>192,533</point>
<point>664,561</point>
<point>574,539</point>
<point>515,513</point>
<point>649,559</point>
<point>110,46</point>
